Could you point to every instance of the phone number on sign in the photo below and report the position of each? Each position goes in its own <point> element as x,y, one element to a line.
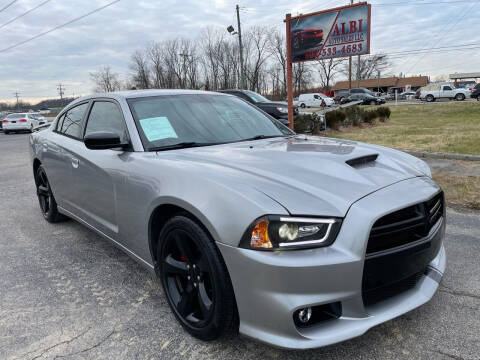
<point>334,51</point>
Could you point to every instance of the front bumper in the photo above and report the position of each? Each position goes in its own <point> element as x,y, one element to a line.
<point>270,286</point>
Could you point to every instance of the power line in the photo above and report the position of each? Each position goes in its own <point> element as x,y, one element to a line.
<point>439,39</point>
<point>25,13</point>
<point>58,27</point>
<point>8,5</point>
<point>421,3</point>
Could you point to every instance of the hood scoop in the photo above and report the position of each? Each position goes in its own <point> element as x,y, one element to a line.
<point>362,160</point>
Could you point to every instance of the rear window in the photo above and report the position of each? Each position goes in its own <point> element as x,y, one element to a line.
<point>16,116</point>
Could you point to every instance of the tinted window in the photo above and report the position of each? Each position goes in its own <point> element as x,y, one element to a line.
<point>106,116</point>
<point>355,91</point>
<point>72,122</point>
<point>16,116</point>
<point>447,88</point>
<point>168,120</point>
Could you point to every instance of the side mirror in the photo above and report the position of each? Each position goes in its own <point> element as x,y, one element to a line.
<point>102,140</point>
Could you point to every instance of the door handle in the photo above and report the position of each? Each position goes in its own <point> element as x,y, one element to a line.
<point>75,162</point>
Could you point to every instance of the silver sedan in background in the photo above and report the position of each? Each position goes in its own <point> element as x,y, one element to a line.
<point>295,241</point>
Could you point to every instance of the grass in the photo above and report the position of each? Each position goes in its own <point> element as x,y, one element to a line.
<point>450,127</point>
<point>460,191</point>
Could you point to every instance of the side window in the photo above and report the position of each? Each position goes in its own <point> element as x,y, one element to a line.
<point>59,123</point>
<point>316,96</point>
<point>447,88</point>
<point>354,91</point>
<point>72,121</point>
<point>106,116</point>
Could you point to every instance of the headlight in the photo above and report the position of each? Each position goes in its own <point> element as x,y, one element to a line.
<point>282,109</point>
<point>285,232</point>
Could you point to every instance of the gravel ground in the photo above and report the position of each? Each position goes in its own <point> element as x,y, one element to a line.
<point>67,293</point>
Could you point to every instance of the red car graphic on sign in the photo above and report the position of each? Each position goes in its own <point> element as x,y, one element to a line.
<point>306,38</point>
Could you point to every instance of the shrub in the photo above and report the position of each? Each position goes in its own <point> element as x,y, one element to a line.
<point>335,118</point>
<point>383,113</point>
<point>303,123</point>
<point>369,116</point>
<point>354,115</point>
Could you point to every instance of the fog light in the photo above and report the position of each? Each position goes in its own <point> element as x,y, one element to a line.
<point>304,315</point>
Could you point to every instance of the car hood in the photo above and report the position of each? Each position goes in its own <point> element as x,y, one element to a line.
<point>308,175</point>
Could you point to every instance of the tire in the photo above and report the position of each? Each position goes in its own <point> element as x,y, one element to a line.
<point>48,205</point>
<point>303,106</point>
<point>6,132</point>
<point>430,98</point>
<point>460,97</point>
<point>195,280</point>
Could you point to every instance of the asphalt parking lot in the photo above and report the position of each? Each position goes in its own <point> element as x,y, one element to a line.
<point>67,293</point>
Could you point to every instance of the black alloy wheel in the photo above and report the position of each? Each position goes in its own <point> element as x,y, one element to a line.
<point>195,280</point>
<point>48,205</point>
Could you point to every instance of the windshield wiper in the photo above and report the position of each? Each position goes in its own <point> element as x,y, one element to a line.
<point>259,137</point>
<point>182,145</point>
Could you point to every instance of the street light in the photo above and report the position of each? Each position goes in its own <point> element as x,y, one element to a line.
<point>231,30</point>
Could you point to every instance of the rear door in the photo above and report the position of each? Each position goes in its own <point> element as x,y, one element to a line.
<point>100,173</point>
<point>58,157</point>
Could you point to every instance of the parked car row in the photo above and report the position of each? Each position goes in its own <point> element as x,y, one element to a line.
<point>276,109</point>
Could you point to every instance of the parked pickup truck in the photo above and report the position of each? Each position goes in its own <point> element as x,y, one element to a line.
<point>448,91</point>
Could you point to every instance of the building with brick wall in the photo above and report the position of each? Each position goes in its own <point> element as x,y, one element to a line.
<point>387,84</point>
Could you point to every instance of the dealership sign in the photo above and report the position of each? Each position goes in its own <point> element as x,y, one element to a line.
<point>333,33</point>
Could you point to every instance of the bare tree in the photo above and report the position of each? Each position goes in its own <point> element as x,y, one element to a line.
<point>327,71</point>
<point>105,80</point>
<point>369,66</point>
<point>256,50</point>
<point>140,68</point>
<point>278,71</point>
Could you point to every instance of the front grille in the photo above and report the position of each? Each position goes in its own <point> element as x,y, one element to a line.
<point>373,296</point>
<point>398,249</point>
<point>405,226</point>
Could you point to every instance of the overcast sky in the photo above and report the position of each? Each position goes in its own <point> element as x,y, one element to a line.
<point>109,37</point>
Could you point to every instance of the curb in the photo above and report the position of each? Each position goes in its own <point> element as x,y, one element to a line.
<point>430,155</point>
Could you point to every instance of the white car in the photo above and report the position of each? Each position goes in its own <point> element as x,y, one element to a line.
<point>314,100</point>
<point>19,122</point>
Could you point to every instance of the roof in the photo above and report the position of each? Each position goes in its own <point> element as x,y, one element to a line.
<point>472,75</point>
<point>130,94</point>
<point>393,81</point>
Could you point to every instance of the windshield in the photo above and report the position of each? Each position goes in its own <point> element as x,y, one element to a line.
<point>201,119</point>
<point>256,97</point>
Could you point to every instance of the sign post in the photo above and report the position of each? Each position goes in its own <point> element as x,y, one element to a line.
<point>339,32</point>
<point>289,72</point>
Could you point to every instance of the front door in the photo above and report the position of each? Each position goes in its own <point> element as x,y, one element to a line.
<point>101,172</point>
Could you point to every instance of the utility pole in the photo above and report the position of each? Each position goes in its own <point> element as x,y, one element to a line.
<point>378,81</point>
<point>184,56</point>
<point>17,95</point>
<point>350,65</point>
<point>61,90</point>
<point>358,71</point>
<point>242,69</point>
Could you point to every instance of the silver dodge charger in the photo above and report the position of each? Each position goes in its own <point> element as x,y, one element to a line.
<point>293,240</point>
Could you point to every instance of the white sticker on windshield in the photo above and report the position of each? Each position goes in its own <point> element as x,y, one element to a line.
<point>158,128</point>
